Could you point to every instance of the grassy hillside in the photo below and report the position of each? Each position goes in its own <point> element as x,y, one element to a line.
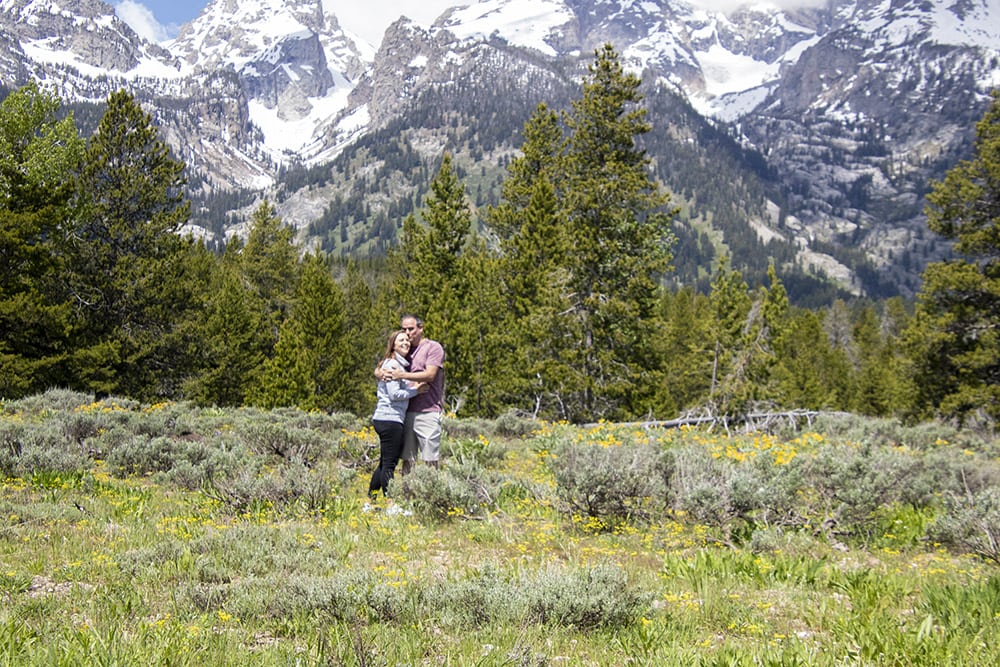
<point>172,535</point>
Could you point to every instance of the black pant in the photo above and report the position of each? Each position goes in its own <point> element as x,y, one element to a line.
<point>390,435</point>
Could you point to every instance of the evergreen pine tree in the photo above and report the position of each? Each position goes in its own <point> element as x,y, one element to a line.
<point>127,258</point>
<point>478,343</point>
<point>619,231</point>
<point>309,362</point>
<point>367,322</point>
<point>231,346</point>
<point>686,347</point>
<point>427,271</point>
<point>731,310</point>
<point>533,253</point>
<point>809,373</point>
<point>954,337</point>
<point>38,157</point>
<point>268,265</point>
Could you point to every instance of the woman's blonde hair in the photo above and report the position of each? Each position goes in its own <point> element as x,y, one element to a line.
<point>390,348</point>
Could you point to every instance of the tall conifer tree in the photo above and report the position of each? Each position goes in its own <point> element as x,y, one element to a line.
<point>366,325</point>
<point>533,253</point>
<point>427,271</point>
<point>231,347</point>
<point>619,230</point>
<point>310,360</point>
<point>686,347</point>
<point>38,157</point>
<point>128,260</point>
<point>954,337</point>
<point>268,265</point>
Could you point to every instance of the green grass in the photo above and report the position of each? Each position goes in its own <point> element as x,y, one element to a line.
<point>241,549</point>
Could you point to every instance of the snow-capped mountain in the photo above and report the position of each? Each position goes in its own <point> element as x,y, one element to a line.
<point>853,104</point>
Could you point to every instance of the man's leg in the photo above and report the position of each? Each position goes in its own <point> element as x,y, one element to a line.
<point>410,444</point>
<point>427,428</point>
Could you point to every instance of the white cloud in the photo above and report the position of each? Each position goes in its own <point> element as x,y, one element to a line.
<point>140,18</point>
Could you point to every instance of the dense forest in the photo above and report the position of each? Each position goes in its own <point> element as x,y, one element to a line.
<point>561,300</point>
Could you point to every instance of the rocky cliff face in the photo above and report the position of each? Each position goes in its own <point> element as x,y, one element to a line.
<point>871,111</point>
<point>78,27</point>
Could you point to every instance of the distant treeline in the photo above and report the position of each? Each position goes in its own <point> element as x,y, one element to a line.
<point>561,300</point>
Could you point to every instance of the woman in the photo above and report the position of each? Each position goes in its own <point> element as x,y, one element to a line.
<point>392,397</point>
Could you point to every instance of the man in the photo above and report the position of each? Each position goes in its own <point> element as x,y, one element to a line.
<point>422,427</point>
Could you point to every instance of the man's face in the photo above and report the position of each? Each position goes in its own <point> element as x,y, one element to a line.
<point>412,329</point>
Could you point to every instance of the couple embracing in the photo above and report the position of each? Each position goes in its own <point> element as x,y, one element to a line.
<point>409,402</point>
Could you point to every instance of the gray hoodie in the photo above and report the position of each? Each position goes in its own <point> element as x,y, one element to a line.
<point>393,396</point>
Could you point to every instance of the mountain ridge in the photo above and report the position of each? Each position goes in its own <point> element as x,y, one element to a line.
<point>852,107</point>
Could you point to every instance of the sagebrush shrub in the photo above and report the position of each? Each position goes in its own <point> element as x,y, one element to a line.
<point>853,482</point>
<point>347,596</point>
<point>487,597</point>
<point>886,431</point>
<point>765,492</point>
<point>611,483</point>
<point>258,489</point>
<point>971,523</point>
<point>587,599</point>
<point>465,428</point>
<point>485,452</point>
<point>42,448</point>
<point>510,424</point>
<point>698,485</point>
<point>12,439</point>
<point>462,489</point>
<point>141,454</point>
<point>285,442</point>
<point>51,401</point>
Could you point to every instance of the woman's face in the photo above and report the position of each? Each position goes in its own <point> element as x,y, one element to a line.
<point>401,344</point>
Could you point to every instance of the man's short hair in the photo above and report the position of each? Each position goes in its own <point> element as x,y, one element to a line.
<point>418,320</point>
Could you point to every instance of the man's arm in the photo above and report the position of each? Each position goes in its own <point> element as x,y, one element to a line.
<point>427,375</point>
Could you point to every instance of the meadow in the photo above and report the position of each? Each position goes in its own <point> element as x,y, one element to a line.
<point>170,534</point>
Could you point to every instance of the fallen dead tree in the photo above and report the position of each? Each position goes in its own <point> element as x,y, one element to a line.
<point>756,421</point>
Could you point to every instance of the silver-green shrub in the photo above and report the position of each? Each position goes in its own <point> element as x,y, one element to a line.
<point>51,401</point>
<point>853,482</point>
<point>971,523</point>
<point>255,488</point>
<point>344,595</point>
<point>462,489</point>
<point>43,447</point>
<point>290,443</point>
<point>585,599</point>
<point>487,453</point>
<point>699,485</point>
<point>612,483</point>
<point>486,597</point>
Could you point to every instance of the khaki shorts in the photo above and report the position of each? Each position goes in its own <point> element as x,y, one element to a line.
<point>422,433</point>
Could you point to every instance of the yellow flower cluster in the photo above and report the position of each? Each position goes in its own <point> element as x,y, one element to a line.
<point>750,447</point>
<point>101,406</point>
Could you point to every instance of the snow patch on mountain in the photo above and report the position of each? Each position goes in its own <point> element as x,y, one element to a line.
<point>968,22</point>
<point>290,137</point>
<point>526,23</point>
<point>236,32</point>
